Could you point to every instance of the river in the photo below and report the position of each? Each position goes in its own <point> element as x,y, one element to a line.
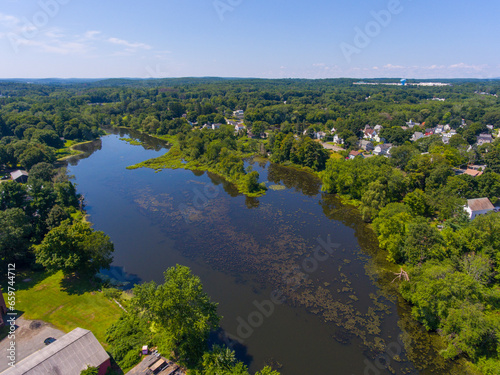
<point>298,276</point>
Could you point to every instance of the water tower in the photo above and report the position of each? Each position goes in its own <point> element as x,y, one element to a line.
<point>403,82</point>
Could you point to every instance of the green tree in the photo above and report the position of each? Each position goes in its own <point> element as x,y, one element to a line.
<point>42,171</point>
<point>15,232</point>
<point>422,241</point>
<point>90,371</point>
<point>75,248</point>
<point>183,311</point>
<point>128,334</point>
<point>12,195</point>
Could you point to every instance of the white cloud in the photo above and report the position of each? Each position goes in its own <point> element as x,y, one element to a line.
<point>131,45</point>
<point>8,21</point>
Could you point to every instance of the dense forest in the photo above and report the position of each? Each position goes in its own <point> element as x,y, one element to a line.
<point>414,199</point>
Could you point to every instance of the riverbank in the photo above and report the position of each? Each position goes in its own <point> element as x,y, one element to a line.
<point>65,302</point>
<point>69,151</point>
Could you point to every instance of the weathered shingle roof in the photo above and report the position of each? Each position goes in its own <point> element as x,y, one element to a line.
<point>69,355</point>
<point>16,174</point>
<point>480,204</point>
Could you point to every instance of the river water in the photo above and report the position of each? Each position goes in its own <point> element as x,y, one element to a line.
<point>300,282</point>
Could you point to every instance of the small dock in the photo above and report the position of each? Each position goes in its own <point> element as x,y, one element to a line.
<point>156,365</point>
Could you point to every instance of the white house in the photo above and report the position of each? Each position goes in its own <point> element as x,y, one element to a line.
<point>450,134</point>
<point>239,127</point>
<point>416,136</point>
<point>479,206</point>
<point>411,124</point>
<point>320,135</point>
<point>383,150</point>
<point>239,113</point>
<point>338,140</point>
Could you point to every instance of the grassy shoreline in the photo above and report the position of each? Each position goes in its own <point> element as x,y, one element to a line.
<point>68,150</point>
<point>66,303</point>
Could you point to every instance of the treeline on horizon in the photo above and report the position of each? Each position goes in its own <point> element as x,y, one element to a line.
<point>414,200</point>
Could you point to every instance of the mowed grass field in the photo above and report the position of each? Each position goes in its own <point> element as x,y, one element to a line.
<point>65,303</point>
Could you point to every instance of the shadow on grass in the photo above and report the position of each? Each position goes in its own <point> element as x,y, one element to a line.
<point>79,284</point>
<point>26,280</point>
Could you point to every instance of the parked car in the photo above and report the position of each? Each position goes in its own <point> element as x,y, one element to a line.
<point>49,340</point>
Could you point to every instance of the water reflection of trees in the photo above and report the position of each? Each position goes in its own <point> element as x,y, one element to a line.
<point>147,142</point>
<point>86,150</point>
<point>301,181</point>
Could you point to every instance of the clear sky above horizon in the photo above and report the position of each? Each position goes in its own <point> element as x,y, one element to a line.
<point>250,38</point>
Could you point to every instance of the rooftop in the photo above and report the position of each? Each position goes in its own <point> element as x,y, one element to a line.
<point>480,204</point>
<point>69,355</point>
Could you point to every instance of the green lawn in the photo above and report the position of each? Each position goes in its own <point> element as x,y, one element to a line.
<point>66,304</point>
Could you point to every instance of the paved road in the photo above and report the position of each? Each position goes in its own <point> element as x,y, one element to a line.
<point>332,147</point>
<point>29,339</point>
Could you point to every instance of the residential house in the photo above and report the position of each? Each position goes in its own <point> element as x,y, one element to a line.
<point>378,128</point>
<point>366,145</point>
<point>478,206</point>
<point>354,154</point>
<point>429,131</point>
<point>338,140</point>
<point>216,126</point>
<point>411,124</point>
<point>320,135</point>
<point>383,149</point>
<point>369,134</point>
<point>378,138</point>
<point>19,176</point>
<point>439,129</point>
<point>68,355</point>
<point>239,114</point>
<point>416,136</point>
<point>450,134</point>
<point>490,127</point>
<point>239,127</point>
<point>475,170</point>
<point>447,128</point>
<point>484,138</point>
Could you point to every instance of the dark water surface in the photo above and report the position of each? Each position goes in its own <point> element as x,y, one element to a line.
<point>341,314</point>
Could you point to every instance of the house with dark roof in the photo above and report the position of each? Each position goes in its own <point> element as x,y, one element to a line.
<point>366,145</point>
<point>383,149</point>
<point>19,176</point>
<point>68,355</point>
<point>479,206</point>
<point>416,136</point>
<point>483,139</point>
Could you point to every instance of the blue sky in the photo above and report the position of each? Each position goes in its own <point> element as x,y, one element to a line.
<point>249,38</point>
